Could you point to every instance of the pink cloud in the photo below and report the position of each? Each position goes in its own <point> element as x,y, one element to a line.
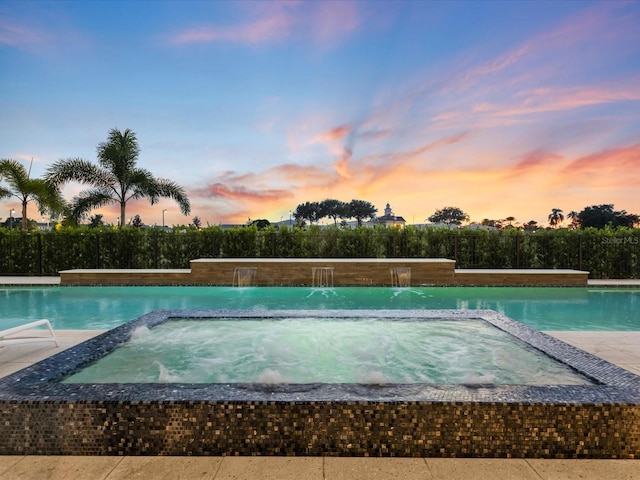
<point>241,193</point>
<point>618,164</point>
<point>270,29</point>
<point>555,99</point>
<point>19,35</point>
<point>531,162</point>
<point>580,38</point>
<point>323,23</point>
<point>332,20</point>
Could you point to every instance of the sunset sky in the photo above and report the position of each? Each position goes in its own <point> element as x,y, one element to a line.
<point>507,108</point>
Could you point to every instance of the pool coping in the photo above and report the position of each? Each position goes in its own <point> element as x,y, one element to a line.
<point>55,281</point>
<point>41,381</point>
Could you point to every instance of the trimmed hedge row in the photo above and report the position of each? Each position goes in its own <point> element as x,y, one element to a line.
<point>605,253</point>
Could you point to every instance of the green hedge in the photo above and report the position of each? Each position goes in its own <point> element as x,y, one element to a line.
<point>605,253</point>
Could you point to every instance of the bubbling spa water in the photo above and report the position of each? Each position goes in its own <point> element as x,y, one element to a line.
<point>326,350</point>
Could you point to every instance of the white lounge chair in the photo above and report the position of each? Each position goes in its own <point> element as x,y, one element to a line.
<point>19,340</point>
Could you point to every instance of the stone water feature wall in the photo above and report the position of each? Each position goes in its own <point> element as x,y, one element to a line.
<point>347,272</point>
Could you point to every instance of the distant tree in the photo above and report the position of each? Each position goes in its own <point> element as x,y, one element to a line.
<point>307,211</point>
<point>487,222</point>
<point>555,217</point>
<point>449,216</point>
<point>300,222</point>
<point>262,223</point>
<point>116,178</point>
<point>599,216</point>
<point>197,222</point>
<point>68,219</point>
<point>510,220</point>
<point>26,189</point>
<point>136,222</point>
<point>531,226</point>
<point>360,210</point>
<point>332,208</point>
<point>573,216</point>
<point>95,221</point>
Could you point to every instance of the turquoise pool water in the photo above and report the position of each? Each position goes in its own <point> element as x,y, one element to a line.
<point>107,307</point>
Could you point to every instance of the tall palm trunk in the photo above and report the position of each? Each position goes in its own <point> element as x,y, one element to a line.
<point>122,214</point>
<point>24,213</point>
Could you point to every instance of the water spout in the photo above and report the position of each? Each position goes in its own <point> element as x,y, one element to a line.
<point>244,277</point>
<point>322,277</point>
<point>401,277</point>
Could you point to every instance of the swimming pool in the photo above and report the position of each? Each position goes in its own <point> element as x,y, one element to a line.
<point>540,308</point>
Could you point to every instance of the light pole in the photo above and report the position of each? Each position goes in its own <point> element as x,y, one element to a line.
<point>290,224</point>
<point>11,212</point>
<point>163,218</point>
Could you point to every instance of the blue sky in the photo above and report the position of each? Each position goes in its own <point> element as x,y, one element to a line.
<point>503,109</point>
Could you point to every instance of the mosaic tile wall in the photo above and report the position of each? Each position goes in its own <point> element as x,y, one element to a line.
<point>40,415</point>
<point>321,428</point>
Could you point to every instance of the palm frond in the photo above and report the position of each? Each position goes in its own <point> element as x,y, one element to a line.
<point>169,189</point>
<point>14,173</point>
<point>87,200</point>
<point>145,185</point>
<point>48,197</point>
<point>78,170</point>
<point>142,184</point>
<point>119,153</point>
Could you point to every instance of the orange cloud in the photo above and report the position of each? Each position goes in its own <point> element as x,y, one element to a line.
<point>300,175</point>
<point>527,188</point>
<point>521,189</point>
<point>336,133</point>
<point>342,165</point>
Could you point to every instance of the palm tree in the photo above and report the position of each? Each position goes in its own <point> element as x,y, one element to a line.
<point>116,178</point>
<point>555,217</point>
<point>27,189</point>
<point>575,221</point>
